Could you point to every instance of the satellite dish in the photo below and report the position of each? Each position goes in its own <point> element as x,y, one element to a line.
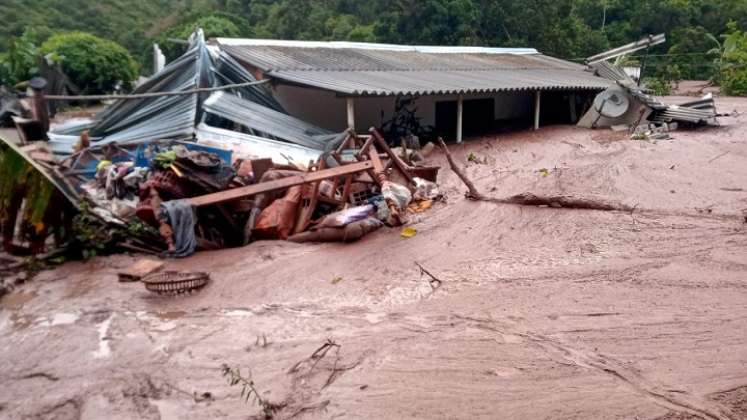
<point>612,103</point>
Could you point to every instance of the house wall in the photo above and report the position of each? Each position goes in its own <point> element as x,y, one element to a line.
<point>327,110</point>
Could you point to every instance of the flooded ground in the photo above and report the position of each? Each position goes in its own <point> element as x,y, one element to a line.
<point>542,314</point>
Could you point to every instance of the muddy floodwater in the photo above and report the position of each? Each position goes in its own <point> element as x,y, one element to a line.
<point>542,313</point>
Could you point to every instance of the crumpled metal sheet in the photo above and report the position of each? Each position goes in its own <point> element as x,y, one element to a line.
<point>134,121</point>
<point>266,122</point>
<point>249,146</point>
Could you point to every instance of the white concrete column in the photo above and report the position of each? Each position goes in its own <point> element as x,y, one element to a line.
<point>460,112</point>
<point>351,113</point>
<point>537,110</point>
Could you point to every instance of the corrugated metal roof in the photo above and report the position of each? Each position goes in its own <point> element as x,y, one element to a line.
<point>381,83</point>
<point>384,70</point>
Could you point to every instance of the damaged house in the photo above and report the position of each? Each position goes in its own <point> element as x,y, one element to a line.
<point>243,139</point>
<point>459,91</point>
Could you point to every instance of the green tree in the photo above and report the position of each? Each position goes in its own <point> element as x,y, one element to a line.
<point>19,62</point>
<point>214,25</point>
<point>92,63</point>
<point>732,61</point>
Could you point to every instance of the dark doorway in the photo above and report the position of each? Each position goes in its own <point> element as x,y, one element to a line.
<point>477,118</point>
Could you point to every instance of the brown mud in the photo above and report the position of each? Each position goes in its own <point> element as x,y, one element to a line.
<point>542,313</point>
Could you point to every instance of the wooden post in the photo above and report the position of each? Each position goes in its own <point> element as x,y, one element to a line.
<point>460,112</point>
<point>537,110</point>
<point>39,110</point>
<point>351,113</point>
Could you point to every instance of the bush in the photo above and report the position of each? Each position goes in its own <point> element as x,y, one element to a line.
<point>19,62</point>
<point>94,64</point>
<point>734,82</point>
<point>660,87</point>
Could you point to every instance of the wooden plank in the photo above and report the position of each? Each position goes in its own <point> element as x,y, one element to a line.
<point>279,184</point>
<point>401,166</point>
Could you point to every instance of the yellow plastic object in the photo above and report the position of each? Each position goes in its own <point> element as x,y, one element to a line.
<point>408,232</point>
<point>102,164</point>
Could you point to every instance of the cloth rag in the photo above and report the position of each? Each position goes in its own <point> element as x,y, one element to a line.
<point>182,219</point>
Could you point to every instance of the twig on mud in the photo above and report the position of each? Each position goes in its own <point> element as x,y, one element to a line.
<point>635,221</point>
<point>316,407</point>
<point>317,355</point>
<point>248,390</point>
<point>44,375</point>
<point>322,351</point>
<point>721,155</point>
<point>472,194</point>
<point>434,282</point>
<point>264,341</point>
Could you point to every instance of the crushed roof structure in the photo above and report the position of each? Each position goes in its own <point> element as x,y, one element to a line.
<point>362,69</point>
<point>143,120</point>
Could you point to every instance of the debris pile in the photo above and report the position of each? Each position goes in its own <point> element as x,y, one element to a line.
<point>629,106</point>
<point>202,156</point>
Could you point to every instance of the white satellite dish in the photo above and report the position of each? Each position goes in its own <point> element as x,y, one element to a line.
<point>612,103</point>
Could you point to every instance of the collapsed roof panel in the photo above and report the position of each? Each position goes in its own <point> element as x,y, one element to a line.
<point>131,121</point>
<point>270,123</point>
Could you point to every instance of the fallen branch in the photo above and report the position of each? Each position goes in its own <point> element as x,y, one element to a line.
<point>529,199</point>
<point>434,282</point>
<point>472,194</point>
<point>721,155</point>
<point>561,201</point>
<point>317,355</point>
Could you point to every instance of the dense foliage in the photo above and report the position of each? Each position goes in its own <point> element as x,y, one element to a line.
<point>92,63</point>
<point>731,60</point>
<point>213,25</point>
<point>570,29</point>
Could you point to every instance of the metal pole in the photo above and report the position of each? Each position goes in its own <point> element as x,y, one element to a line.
<point>537,110</point>
<point>351,113</point>
<point>460,112</point>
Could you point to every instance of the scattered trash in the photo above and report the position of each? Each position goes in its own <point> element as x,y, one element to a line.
<point>408,232</point>
<point>139,270</point>
<point>336,280</point>
<point>544,172</point>
<point>175,282</point>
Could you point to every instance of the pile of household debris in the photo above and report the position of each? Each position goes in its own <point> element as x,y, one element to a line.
<point>203,156</point>
<point>629,106</point>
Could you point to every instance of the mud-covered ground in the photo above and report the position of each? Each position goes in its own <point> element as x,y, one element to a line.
<point>543,313</point>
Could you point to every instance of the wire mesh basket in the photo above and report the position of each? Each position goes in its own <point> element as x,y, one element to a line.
<point>175,282</point>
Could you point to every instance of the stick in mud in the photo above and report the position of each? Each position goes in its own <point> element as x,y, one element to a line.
<point>434,282</point>
<point>529,199</point>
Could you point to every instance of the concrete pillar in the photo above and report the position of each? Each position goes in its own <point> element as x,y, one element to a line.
<point>460,112</point>
<point>159,60</point>
<point>351,113</point>
<point>537,110</point>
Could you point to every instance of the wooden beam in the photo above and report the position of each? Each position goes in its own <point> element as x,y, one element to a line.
<point>401,166</point>
<point>279,184</point>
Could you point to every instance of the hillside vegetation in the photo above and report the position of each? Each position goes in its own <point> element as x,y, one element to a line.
<point>570,29</point>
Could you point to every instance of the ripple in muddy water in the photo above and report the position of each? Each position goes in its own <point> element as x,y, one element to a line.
<point>16,300</point>
<point>60,318</point>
